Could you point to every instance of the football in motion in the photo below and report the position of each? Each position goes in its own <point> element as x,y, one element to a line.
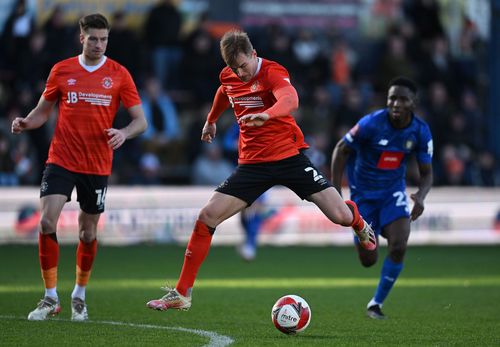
<point>291,314</point>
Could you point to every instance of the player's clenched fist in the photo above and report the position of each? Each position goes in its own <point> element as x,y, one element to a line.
<point>18,125</point>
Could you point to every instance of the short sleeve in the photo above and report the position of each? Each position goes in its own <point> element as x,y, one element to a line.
<point>425,147</point>
<point>51,92</point>
<point>358,133</point>
<point>128,91</point>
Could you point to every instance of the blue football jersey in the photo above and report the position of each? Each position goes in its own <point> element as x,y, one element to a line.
<point>382,151</point>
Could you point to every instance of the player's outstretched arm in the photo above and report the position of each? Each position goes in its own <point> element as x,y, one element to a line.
<point>287,101</point>
<point>136,127</point>
<point>340,155</point>
<point>35,119</point>
<point>220,104</point>
<point>423,188</point>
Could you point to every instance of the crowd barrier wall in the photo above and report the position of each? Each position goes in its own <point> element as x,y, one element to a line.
<point>468,216</point>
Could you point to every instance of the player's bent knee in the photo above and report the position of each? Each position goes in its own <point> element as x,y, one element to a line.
<point>47,226</point>
<point>368,260</point>
<point>86,237</point>
<point>208,218</point>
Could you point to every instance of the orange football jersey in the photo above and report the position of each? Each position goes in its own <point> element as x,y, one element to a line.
<point>88,102</point>
<point>279,137</point>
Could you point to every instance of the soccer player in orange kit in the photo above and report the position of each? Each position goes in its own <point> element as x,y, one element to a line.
<point>88,90</point>
<point>270,153</point>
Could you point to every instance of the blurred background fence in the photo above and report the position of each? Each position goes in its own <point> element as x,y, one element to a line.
<point>167,214</point>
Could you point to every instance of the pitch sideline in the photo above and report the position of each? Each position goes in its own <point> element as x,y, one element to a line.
<point>216,340</point>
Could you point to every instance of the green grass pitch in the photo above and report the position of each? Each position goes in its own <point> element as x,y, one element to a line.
<point>445,296</point>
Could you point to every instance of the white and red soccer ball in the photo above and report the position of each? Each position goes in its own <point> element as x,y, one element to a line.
<point>291,314</point>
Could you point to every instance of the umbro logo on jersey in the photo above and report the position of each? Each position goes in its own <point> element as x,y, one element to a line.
<point>383,142</point>
<point>71,82</point>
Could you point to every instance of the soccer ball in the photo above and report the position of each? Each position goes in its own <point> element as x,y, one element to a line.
<point>291,314</point>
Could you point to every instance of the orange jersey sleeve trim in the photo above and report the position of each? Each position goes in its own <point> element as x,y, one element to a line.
<point>220,104</point>
<point>287,101</point>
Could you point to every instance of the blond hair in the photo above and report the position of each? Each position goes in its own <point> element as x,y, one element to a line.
<point>232,44</point>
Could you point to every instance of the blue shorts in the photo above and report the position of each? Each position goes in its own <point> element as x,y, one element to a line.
<point>380,212</point>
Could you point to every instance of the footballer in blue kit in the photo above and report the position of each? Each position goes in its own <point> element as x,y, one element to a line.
<point>375,152</point>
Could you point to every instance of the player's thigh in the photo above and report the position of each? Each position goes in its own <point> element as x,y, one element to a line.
<point>91,193</point>
<point>55,190</point>
<point>219,208</point>
<point>300,175</point>
<point>51,207</point>
<point>247,182</point>
<point>394,216</point>
<point>332,205</point>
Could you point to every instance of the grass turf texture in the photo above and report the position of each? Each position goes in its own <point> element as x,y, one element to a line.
<point>445,296</point>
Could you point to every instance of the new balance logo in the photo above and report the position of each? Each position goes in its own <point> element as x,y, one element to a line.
<point>383,142</point>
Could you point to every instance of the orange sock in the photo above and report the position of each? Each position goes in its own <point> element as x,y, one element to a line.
<point>196,251</point>
<point>357,223</point>
<point>48,253</point>
<point>85,255</point>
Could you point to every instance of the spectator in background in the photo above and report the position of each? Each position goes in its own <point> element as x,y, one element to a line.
<point>39,139</point>
<point>57,32</point>
<point>149,170</point>
<point>454,165</point>
<point>438,65</point>
<point>162,37</point>
<point>8,176</point>
<point>488,173</point>
<point>199,79</point>
<point>313,67</point>
<point>426,18</point>
<point>211,168</point>
<point>394,62</point>
<point>280,47</point>
<point>124,45</point>
<point>16,35</point>
<point>438,108</point>
<point>161,115</point>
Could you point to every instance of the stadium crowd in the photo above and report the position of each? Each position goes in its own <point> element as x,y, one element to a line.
<point>339,77</point>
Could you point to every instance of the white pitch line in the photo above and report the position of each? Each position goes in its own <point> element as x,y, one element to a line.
<point>216,340</point>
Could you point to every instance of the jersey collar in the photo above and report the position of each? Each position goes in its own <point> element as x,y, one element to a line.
<point>259,65</point>
<point>93,67</point>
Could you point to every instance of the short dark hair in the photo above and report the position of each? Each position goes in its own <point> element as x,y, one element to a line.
<point>404,82</point>
<point>93,21</point>
<point>233,43</point>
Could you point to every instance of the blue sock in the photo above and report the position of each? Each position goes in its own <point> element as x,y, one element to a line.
<point>388,276</point>
<point>252,225</point>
